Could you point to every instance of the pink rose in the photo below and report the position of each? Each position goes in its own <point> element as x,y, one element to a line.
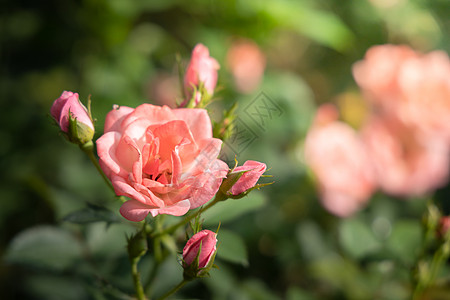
<point>424,83</point>
<point>336,155</point>
<point>408,85</point>
<point>201,69</point>
<point>164,159</point>
<point>377,74</point>
<point>406,163</point>
<point>248,179</point>
<point>205,239</point>
<point>69,101</point>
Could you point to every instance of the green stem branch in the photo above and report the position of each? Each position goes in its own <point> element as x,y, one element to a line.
<point>137,279</point>
<point>88,148</point>
<point>174,290</point>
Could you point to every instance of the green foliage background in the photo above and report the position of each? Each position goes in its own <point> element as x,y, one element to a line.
<point>278,243</point>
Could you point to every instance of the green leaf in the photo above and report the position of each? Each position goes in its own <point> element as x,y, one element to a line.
<point>44,246</point>
<point>405,240</point>
<point>356,238</point>
<point>231,209</point>
<point>53,287</point>
<point>232,247</point>
<point>91,214</point>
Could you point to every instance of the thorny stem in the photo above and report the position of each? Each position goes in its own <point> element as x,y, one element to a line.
<point>137,279</point>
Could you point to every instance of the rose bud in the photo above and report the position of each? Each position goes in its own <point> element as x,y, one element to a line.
<point>73,118</point>
<point>201,76</point>
<point>199,253</point>
<point>243,178</point>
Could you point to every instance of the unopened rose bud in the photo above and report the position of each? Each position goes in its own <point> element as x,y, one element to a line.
<point>73,118</point>
<point>201,76</point>
<point>251,172</point>
<point>199,253</point>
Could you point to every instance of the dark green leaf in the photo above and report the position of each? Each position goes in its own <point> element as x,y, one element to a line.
<point>44,246</point>
<point>232,247</point>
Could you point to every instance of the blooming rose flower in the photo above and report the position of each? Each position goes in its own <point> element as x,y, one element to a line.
<point>205,239</point>
<point>424,83</point>
<point>202,68</point>
<point>335,154</point>
<point>377,74</point>
<point>69,102</point>
<point>164,159</point>
<point>247,63</point>
<point>406,163</point>
<point>248,179</point>
<point>409,86</point>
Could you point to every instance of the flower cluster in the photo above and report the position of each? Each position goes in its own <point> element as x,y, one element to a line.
<point>164,161</point>
<point>403,146</point>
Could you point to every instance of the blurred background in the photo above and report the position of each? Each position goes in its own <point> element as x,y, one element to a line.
<point>279,243</point>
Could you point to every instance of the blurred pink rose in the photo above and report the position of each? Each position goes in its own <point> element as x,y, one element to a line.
<point>410,86</point>
<point>377,74</point>
<point>69,101</point>
<point>335,154</point>
<point>205,239</point>
<point>248,179</point>
<point>164,159</point>
<point>201,68</point>
<point>424,83</point>
<point>247,63</point>
<point>406,163</point>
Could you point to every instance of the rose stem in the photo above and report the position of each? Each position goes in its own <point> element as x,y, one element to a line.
<point>174,289</point>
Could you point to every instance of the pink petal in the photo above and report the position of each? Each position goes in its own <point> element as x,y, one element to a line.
<point>178,209</point>
<point>134,211</point>
<point>127,153</point>
<point>171,134</point>
<point>207,184</point>
<point>155,114</point>
<point>115,117</point>
<point>58,104</point>
<point>143,195</point>
<point>197,120</point>
<point>106,150</point>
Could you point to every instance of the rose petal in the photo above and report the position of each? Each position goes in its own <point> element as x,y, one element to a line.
<point>115,117</point>
<point>178,209</point>
<point>197,120</point>
<point>134,210</point>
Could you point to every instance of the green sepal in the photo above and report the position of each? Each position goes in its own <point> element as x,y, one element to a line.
<point>78,133</point>
<point>196,224</point>
<point>224,129</point>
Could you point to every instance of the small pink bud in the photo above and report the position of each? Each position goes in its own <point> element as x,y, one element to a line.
<point>205,239</point>
<point>69,101</point>
<point>202,70</point>
<point>253,171</point>
<point>73,118</point>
